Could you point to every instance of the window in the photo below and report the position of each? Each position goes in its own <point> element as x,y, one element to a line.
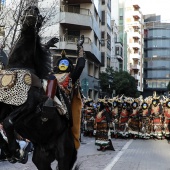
<point>108,20</point>
<point>117,50</point>
<point>108,42</point>
<point>121,17</point>
<point>90,69</point>
<point>103,17</point>
<point>103,2</point>
<point>102,59</point>
<point>103,35</point>
<point>108,62</point>
<point>90,93</point>
<point>115,37</point>
<point>95,40</point>
<point>96,72</point>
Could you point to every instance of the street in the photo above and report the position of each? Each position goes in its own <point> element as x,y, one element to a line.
<point>129,154</point>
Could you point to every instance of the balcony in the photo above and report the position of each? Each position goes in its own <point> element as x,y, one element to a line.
<point>78,1</point>
<point>75,19</point>
<point>136,76</point>
<point>119,57</point>
<point>78,18</point>
<point>70,42</point>
<point>74,9</point>
<point>136,25</point>
<point>136,15</point>
<point>136,35</point>
<point>136,6</point>
<point>135,56</point>
<point>139,88</point>
<point>135,45</point>
<point>135,67</point>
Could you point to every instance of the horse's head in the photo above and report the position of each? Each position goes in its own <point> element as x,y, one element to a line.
<point>31,18</point>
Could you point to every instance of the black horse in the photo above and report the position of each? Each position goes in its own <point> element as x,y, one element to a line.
<point>52,136</point>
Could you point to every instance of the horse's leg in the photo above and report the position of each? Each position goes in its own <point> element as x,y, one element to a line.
<point>9,129</point>
<point>4,147</point>
<point>67,162</point>
<point>74,158</point>
<point>42,159</point>
<point>4,111</point>
<point>13,145</point>
<point>66,154</point>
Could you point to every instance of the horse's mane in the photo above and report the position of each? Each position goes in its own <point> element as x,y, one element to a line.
<point>29,53</point>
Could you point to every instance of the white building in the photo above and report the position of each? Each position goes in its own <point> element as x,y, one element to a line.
<point>134,31</point>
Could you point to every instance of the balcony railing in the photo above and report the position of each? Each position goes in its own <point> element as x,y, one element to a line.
<point>135,66</point>
<point>73,9</point>
<point>73,39</point>
<point>135,56</point>
<point>136,76</point>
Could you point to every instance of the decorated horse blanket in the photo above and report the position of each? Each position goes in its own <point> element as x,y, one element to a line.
<point>14,86</point>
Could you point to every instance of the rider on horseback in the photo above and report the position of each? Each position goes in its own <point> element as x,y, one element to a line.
<point>68,98</point>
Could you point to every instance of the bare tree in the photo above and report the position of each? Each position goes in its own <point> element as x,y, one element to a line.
<point>10,17</point>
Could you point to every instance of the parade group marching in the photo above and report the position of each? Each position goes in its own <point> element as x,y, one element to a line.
<point>126,117</point>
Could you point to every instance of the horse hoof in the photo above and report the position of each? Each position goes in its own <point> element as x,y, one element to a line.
<point>12,160</point>
<point>24,159</point>
<point>21,156</point>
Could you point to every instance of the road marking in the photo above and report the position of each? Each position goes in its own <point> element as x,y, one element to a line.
<point>117,157</point>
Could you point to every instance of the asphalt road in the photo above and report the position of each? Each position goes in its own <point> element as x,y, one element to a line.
<point>129,154</point>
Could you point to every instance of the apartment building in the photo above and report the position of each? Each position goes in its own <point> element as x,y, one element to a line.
<point>106,29</point>
<point>157,55</point>
<point>116,41</point>
<point>72,19</point>
<point>116,49</point>
<point>134,33</point>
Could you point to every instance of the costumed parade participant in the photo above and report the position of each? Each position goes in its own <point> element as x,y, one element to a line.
<point>68,101</point>
<point>116,109</point>
<point>123,130</point>
<point>89,117</point>
<point>104,121</point>
<point>156,117</point>
<point>145,128</point>
<point>166,116</point>
<point>134,118</point>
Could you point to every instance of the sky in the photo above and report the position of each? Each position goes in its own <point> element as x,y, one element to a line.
<point>158,7</point>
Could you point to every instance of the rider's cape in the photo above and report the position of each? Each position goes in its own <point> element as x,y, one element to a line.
<point>76,106</point>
